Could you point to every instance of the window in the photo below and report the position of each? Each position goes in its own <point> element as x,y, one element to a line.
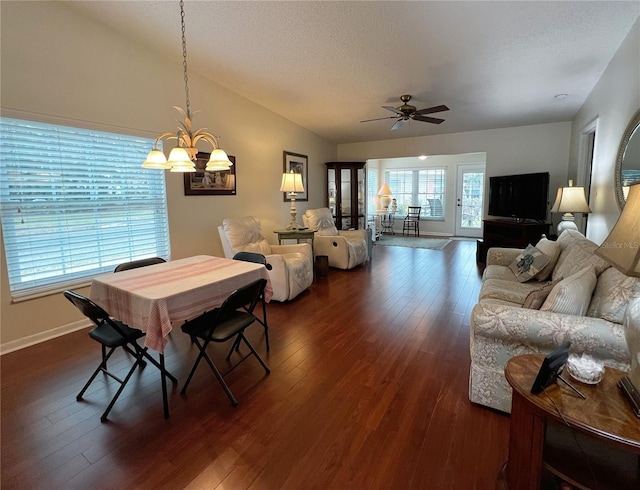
<point>425,188</point>
<point>75,203</point>
<point>372,189</point>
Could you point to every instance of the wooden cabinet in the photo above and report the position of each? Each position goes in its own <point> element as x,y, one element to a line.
<point>509,233</point>
<point>346,188</point>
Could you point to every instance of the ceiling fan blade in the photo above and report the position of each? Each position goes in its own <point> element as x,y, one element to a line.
<point>379,118</point>
<point>433,120</point>
<point>392,109</point>
<point>398,123</point>
<point>431,110</point>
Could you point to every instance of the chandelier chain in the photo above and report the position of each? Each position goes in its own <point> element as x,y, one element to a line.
<point>184,59</point>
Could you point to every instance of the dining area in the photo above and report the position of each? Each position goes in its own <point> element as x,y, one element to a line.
<point>145,303</point>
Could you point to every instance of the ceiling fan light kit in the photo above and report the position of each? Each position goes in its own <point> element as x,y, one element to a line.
<point>408,112</point>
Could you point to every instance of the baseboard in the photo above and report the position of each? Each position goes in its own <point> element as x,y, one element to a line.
<point>15,345</point>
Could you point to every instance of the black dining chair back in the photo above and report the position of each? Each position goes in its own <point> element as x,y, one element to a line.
<point>222,324</point>
<point>257,259</point>
<point>412,221</point>
<point>139,263</point>
<point>112,334</point>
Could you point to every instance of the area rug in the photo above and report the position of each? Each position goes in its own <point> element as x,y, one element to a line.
<point>413,242</point>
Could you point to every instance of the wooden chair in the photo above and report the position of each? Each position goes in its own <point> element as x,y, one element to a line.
<point>412,221</point>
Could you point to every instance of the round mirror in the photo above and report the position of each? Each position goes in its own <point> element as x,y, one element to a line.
<point>628,162</point>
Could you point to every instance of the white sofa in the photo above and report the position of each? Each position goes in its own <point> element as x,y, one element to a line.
<point>504,325</point>
<point>346,249</point>
<point>291,265</point>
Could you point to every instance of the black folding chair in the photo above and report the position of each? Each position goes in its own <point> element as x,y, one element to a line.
<point>257,259</point>
<point>139,263</point>
<point>112,334</point>
<point>223,324</point>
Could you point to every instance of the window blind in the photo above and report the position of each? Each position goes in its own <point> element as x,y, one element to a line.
<point>425,188</point>
<point>75,203</point>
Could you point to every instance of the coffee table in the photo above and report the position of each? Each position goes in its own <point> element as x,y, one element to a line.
<point>591,443</point>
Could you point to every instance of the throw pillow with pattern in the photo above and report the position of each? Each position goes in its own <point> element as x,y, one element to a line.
<point>528,264</point>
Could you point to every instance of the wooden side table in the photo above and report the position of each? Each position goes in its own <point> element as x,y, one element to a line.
<point>297,235</point>
<point>592,443</point>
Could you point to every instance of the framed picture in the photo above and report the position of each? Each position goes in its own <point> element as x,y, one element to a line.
<point>203,183</point>
<point>299,164</point>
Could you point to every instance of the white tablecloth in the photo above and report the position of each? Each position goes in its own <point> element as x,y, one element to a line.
<point>151,297</point>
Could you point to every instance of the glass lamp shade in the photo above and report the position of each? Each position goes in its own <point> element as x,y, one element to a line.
<point>156,160</point>
<point>218,161</point>
<point>291,182</point>
<point>180,161</point>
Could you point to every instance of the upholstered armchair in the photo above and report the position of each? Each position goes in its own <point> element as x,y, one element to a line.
<point>291,265</point>
<point>345,248</point>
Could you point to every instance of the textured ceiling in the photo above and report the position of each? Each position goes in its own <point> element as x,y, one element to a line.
<point>328,65</point>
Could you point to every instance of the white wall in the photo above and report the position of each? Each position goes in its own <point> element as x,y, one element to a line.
<point>524,149</point>
<point>613,101</point>
<point>56,63</point>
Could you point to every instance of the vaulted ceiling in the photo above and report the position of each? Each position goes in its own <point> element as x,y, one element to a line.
<point>328,65</point>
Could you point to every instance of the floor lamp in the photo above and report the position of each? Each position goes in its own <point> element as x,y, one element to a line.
<point>292,183</point>
<point>622,250</point>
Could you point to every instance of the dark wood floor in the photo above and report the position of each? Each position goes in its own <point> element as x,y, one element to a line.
<point>368,390</point>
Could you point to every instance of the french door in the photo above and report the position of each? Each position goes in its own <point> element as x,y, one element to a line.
<point>469,200</point>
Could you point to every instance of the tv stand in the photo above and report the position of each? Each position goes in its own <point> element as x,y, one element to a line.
<point>509,233</point>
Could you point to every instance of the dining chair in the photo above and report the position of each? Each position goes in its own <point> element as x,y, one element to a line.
<point>411,221</point>
<point>139,263</point>
<point>255,258</point>
<point>223,324</point>
<point>112,334</point>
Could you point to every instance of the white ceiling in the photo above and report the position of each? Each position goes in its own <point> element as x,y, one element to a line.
<point>328,65</point>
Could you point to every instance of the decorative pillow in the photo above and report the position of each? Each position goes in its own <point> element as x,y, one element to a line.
<point>573,294</point>
<point>321,221</point>
<point>613,293</point>
<point>528,264</point>
<point>552,250</point>
<point>577,253</point>
<point>535,299</point>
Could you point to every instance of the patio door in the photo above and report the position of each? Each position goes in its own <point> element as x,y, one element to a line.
<point>469,200</point>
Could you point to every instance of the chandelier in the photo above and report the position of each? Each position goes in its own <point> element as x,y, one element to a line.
<point>181,158</point>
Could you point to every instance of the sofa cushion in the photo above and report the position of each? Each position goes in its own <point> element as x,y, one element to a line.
<point>498,272</point>
<point>552,250</point>
<point>535,299</point>
<point>321,221</point>
<point>572,295</point>
<point>577,253</point>
<point>529,263</point>
<point>512,291</point>
<point>613,293</point>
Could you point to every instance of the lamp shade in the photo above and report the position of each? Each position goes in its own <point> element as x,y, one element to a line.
<point>385,190</point>
<point>180,161</point>
<point>622,247</point>
<point>570,200</point>
<point>218,160</point>
<point>291,182</point>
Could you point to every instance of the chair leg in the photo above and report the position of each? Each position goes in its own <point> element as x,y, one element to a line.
<point>103,417</point>
<point>201,354</point>
<point>264,365</point>
<point>264,324</point>
<point>163,378</point>
<point>221,380</point>
<point>101,367</point>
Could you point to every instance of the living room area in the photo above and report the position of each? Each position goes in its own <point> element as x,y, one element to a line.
<point>370,367</point>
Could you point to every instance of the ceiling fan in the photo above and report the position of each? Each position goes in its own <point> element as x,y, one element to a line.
<point>407,112</point>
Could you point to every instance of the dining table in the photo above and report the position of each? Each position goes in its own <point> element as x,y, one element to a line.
<point>154,297</point>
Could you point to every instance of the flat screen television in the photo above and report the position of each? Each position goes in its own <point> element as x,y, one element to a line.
<point>522,197</point>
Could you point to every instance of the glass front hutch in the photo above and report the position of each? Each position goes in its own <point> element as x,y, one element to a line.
<point>346,194</point>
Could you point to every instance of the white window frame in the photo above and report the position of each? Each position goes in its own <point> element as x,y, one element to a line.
<point>408,191</point>
<point>75,203</point>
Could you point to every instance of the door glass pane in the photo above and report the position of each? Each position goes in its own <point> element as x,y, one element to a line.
<point>345,191</point>
<point>472,186</point>
<point>331,177</point>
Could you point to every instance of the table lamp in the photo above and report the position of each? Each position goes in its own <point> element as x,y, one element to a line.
<point>622,250</point>
<point>385,196</point>
<point>569,200</point>
<point>292,183</point>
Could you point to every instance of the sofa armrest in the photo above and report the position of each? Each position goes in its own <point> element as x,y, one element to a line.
<point>542,331</point>
<point>502,256</point>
